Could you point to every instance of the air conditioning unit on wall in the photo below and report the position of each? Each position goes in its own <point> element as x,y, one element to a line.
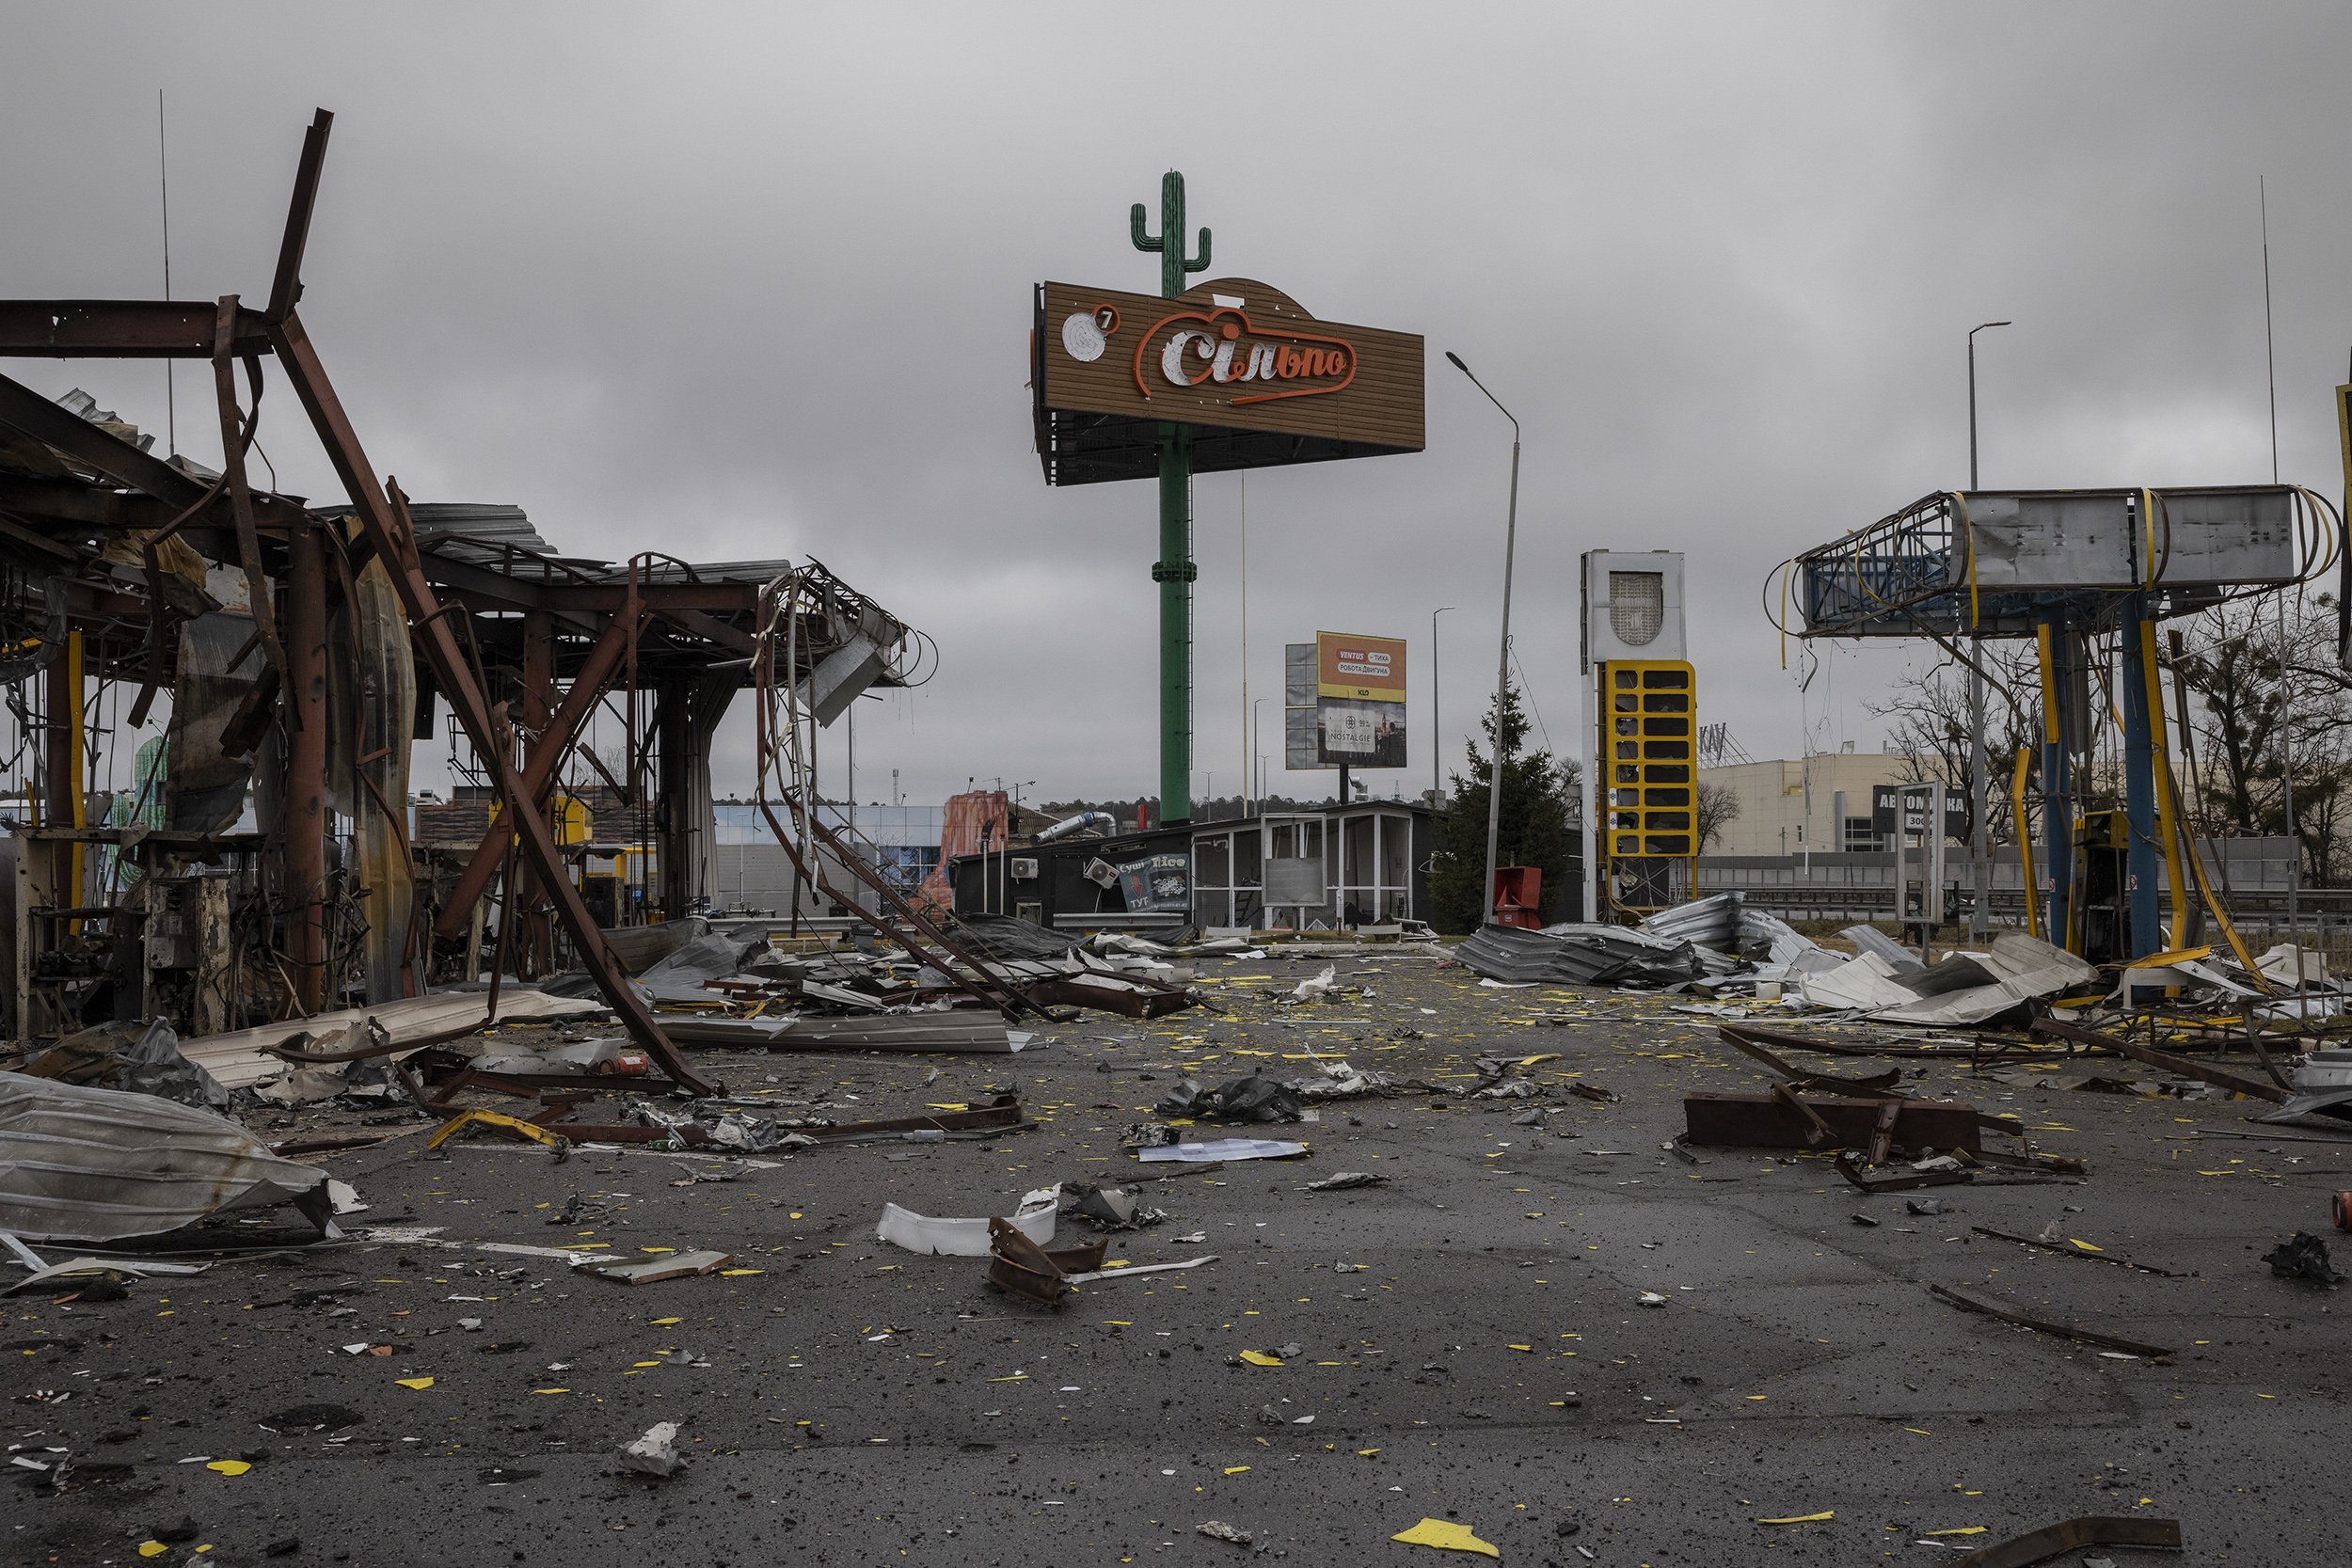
<point>1025,871</point>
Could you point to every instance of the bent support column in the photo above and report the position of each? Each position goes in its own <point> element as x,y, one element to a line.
<point>2144,859</point>
<point>2057,803</point>
<point>304,819</point>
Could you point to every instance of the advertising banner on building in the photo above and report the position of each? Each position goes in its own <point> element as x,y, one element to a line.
<point>1157,884</point>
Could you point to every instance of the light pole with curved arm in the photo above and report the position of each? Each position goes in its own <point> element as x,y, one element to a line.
<point>1980,767</point>
<point>1502,670</point>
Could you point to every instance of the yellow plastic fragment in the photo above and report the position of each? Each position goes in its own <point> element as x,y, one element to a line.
<point>229,1467</point>
<point>1446,1536</point>
<point>1825,1515</point>
<point>1965,1530</point>
<point>418,1383</point>
<point>2086,1245</point>
<point>1236,1469</point>
<point>153,1548</point>
<point>1259,1358</point>
<point>490,1118</point>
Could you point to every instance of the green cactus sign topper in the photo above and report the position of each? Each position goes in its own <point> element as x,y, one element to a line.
<point>1174,571</point>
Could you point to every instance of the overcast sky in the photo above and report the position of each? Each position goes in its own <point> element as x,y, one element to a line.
<point>755,281</point>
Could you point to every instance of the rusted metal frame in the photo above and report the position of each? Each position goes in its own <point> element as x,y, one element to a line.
<point>708,627</point>
<point>1817,1130</point>
<point>628,685</point>
<point>235,436</point>
<point>485,583</point>
<point>1019,1265</point>
<point>286,287</point>
<point>119,329</point>
<point>302,816</point>
<point>618,785</point>
<point>1878,1085</point>
<point>393,538</point>
<point>539,769</point>
<point>1073,992</point>
<point>2046,1325</point>
<point>1764,1121</point>
<point>1744,1039</point>
<point>1839,1048</point>
<point>105,509</point>
<point>670,721</point>
<point>62,702</point>
<point>537,943</point>
<point>1882,1131</point>
<point>26,533</point>
<point>83,441</point>
<point>1012,999</point>
<point>2221,1078</point>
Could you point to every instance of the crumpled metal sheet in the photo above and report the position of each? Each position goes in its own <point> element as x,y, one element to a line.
<point>1864,981</point>
<point>683,974</point>
<point>88,1164</point>
<point>1710,921</point>
<point>638,948</point>
<point>1007,938</point>
<point>241,1059</point>
<point>129,1054</point>
<point>1255,1098</point>
<point>2020,969</point>
<point>1722,922</point>
<point>1574,955</point>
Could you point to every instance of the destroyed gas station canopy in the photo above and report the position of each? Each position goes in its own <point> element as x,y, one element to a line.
<point>303,647</point>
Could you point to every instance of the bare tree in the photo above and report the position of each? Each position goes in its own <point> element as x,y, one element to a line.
<point>1928,721</point>
<point>1718,807</point>
<point>2254,691</point>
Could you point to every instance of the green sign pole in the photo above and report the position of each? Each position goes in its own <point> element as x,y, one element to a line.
<point>1174,571</point>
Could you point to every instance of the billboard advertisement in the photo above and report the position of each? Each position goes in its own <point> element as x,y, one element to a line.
<point>1260,382</point>
<point>1353,715</point>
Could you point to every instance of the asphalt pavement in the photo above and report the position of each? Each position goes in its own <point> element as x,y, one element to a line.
<point>1466,1342</point>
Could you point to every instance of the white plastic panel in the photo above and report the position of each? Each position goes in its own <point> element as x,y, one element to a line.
<point>1632,607</point>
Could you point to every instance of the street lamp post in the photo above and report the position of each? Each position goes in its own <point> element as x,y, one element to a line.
<point>1979,782</point>
<point>1503,663</point>
<point>1436,727</point>
<point>1257,757</point>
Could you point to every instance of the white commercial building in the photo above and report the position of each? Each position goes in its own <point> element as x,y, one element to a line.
<point>1822,802</point>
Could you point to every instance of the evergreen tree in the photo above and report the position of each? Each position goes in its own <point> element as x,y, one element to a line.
<point>1540,804</point>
